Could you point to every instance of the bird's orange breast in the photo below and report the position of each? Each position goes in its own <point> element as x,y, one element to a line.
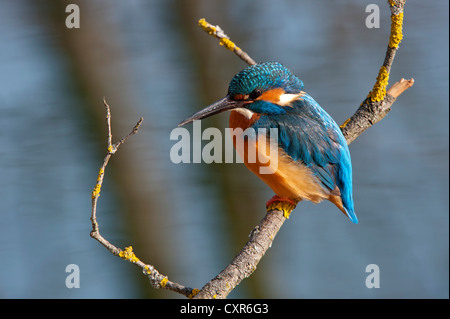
<point>287,178</point>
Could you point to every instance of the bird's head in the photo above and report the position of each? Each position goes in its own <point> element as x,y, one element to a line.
<point>265,88</point>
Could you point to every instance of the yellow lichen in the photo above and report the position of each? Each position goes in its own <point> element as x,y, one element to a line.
<point>147,270</point>
<point>345,123</point>
<point>227,43</point>
<point>207,27</point>
<point>100,173</point>
<point>128,254</point>
<point>283,206</point>
<point>163,282</point>
<point>96,191</point>
<point>193,293</point>
<point>98,187</point>
<point>396,30</point>
<point>379,89</point>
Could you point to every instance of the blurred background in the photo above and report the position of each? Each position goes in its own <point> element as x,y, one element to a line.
<point>150,59</point>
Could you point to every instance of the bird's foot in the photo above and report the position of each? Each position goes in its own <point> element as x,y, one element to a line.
<point>285,205</point>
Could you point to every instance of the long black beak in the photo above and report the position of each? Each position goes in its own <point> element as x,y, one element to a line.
<point>220,106</point>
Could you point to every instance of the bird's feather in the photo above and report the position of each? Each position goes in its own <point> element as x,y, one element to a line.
<point>312,138</point>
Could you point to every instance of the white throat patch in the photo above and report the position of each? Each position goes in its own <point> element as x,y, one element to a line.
<point>287,98</point>
<point>246,112</point>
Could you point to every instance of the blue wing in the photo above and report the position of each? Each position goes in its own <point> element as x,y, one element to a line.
<point>309,135</point>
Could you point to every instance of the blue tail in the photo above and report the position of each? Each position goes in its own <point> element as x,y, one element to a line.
<point>351,214</point>
<point>344,182</point>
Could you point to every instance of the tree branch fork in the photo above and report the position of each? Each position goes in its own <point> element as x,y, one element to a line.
<point>372,110</point>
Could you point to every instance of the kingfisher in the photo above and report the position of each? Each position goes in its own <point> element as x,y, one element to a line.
<point>311,159</point>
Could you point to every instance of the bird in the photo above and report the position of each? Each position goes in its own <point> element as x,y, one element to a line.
<point>312,158</point>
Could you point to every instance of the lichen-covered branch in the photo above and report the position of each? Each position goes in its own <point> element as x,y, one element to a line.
<point>157,280</point>
<point>372,110</point>
<point>244,264</point>
<point>379,101</point>
<point>218,33</point>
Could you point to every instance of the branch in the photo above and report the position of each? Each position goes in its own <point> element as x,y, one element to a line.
<point>244,264</point>
<point>157,280</point>
<point>372,110</point>
<point>378,102</point>
<point>218,33</point>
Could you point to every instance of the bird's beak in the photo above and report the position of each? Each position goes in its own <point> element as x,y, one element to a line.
<point>220,106</point>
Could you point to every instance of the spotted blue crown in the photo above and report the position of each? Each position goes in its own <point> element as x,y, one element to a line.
<point>264,76</point>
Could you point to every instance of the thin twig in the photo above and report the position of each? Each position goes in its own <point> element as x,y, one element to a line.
<point>379,101</point>
<point>218,33</point>
<point>399,87</point>
<point>157,280</point>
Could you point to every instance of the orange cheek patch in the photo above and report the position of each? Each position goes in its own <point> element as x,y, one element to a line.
<point>240,97</point>
<point>272,95</point>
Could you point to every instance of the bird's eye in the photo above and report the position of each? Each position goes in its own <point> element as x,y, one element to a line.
<point>255,94</point>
